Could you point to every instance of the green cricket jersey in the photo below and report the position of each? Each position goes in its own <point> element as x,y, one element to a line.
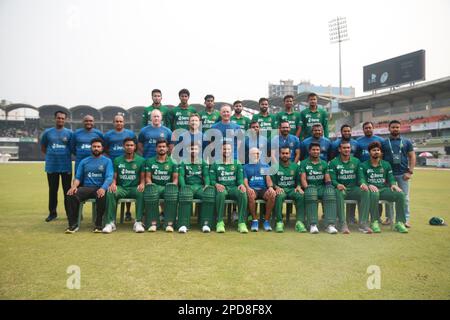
<point>194,174</point>
<point>243,121</point>
<point>162,172</point>
<point>345,173</point>
<point>380,176</point>
<point>287,177</point>
<point>179,117</point>
<point>147,119</point>
<point>309,118</point>
<point>229,175</point>
<point>293,118</point>
<point>315,172</point>
<point>128,172</point>
<point>208,119</point>
<point>265,122</point>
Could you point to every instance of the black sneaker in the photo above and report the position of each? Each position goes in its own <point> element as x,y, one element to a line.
<point>97,229</point>
<point>51,217</point>
<point>128,216</point>
<point>72,229</point>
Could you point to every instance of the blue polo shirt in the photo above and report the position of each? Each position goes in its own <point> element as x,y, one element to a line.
<point>81,145</point>
<point>259,142</point>
<point>254,172</point>
<point>58,143</point>
<point>401,147</point>
<point>325,147</point>
<point>362,153</point>
<point>223,127</point>
<point>114,142</point>
<point>291,142</point>
<point>95,172</point>
<point>335,147</point>
<point>148,137</point>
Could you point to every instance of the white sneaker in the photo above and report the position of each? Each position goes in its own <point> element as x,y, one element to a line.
<point>138,227</point>
<point>110,227</point>
<point>152,228</point>
<point>206,229</point>
<point>314,229</point>
<point>182,229</point>
<point>169,229</point>
<point>331,229</point>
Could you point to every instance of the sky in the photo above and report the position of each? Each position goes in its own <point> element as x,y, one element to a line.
<point>100,53</point>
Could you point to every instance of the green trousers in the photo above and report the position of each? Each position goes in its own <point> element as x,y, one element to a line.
<point>299,201</point>
<point>328,196</point>
<point>122,193</point>
<point>391,196</point>
<point>235,194</point>
<point>206,194</point>
<point>152,194</point>
<point>353,193</point>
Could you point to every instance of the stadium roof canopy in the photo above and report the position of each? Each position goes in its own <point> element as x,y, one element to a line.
<point>430,88</point>
<point>14,106</point>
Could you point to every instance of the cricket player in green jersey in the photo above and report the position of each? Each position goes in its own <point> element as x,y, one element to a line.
<point>376,175</point>
<point>312,115</point>
<point>179,116</point>
<point>228,178</point>
<point>287,186</point>
<point>209,116</point>
<point>316,183</point>
<point>290,116</point>
<point>161,180</point>
<point>128,183</point>
<point>146,116</point>
<point>344,174</point>
<point>238,118</point>
<point>193,177</point>
<point>266,121</point>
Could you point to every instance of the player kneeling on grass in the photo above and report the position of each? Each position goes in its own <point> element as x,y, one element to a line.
<point>376,176</point>
<point>344,174</point>
<point>194,183</point>
<point>317,185</point>
<point>259,185</point>
<point>287,186</point>
<point>93,177</point>
<point>128,183</point>
<point>228,178</point>
<point>161,180</point>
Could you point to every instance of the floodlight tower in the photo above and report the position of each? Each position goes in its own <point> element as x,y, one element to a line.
<point>338,34</point>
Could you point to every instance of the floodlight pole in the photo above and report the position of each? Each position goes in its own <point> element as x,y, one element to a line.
<point>338,33</point>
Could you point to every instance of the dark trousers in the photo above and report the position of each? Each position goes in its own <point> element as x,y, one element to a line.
<point>83,194</point>
<point>53,186</point>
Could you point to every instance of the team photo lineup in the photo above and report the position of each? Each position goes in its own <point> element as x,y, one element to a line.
<point>216,155</point>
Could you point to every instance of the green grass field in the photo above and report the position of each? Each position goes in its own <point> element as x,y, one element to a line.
<point>35,255</point>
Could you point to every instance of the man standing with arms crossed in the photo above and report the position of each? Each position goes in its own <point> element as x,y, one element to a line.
<point>209,116</point>
<point>150,134</point>
<point>179,116</point>
<point>128,182</point>
<point>344,174</point>
<point>316,183</point>
<point>146,115</point>
<point>399,152</point>
<point>114,146</point>
<point>92,179</point>
<point>313,115</point>
<point>56,144</point>
<point>376,176</point>
<point>81,142</point>
<point>287,186</point>
<point>290,116</point>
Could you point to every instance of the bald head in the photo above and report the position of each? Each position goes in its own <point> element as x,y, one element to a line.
<point>88,122</point>
<point>156,117</point>
<point>225,112</point>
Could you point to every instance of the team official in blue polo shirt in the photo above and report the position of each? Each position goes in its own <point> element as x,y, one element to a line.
<point>92,179</point>
<point>317,137</point>
<point>56,145</point>
<point>114,138</point>
<point>287,140</point>
<point>399,152</point>
<point>81,143</point>
<point>362,151</point>
<point>150,134</point>
<point>346,135</point>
